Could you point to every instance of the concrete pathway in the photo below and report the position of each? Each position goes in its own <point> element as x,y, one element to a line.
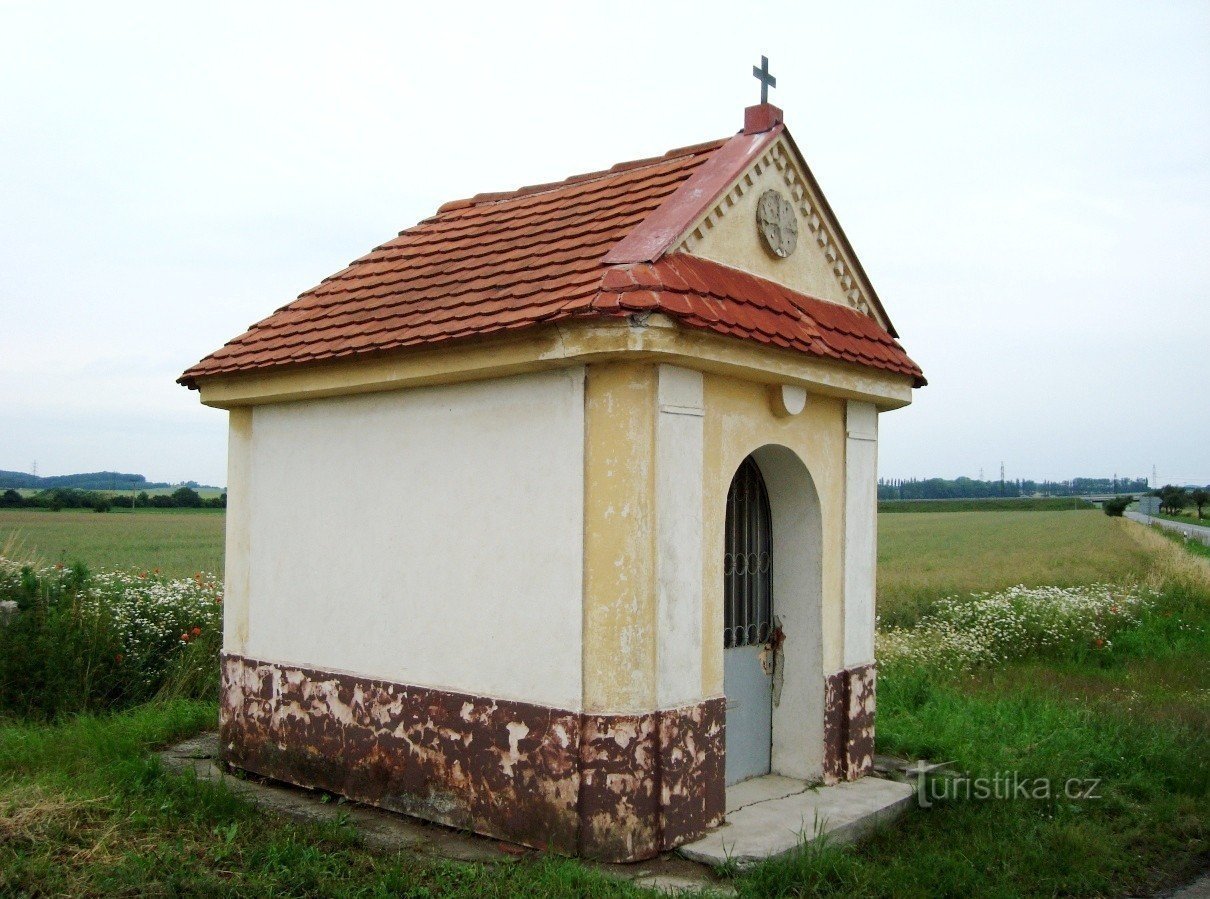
<point>770,816</point>
<point>1194,531</point>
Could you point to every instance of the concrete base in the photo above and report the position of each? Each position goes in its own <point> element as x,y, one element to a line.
<point>771,816</point>
<point>391,832</point>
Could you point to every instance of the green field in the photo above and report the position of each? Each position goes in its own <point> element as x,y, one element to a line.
<point>1188,518</point>
<point>923,557</point>
<point>179,542</point>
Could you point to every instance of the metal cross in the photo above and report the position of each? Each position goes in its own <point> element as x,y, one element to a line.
<point>766,80</point>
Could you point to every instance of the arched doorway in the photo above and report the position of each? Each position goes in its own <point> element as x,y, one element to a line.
<point>774,669</point>
<point>748,625</point>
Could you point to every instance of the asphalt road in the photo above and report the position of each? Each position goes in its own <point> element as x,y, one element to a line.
<point>1197,532</point>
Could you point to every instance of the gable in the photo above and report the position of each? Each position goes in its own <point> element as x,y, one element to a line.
<point>822,263</point>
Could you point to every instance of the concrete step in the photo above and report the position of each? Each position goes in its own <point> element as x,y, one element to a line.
<point>771,816</point>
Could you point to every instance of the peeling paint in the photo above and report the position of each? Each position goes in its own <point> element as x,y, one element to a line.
<point>849,702</point>
<point>612,787</point>
<point>779,660</point>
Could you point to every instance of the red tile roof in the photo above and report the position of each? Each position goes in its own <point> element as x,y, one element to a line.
<point>501,262</point>
<point>703,294</point>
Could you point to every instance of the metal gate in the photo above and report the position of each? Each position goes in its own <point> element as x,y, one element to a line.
<point>748,625</point>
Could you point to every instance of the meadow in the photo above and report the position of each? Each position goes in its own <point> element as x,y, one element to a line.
<point>1120,695</point>
<point>178,542</point>
<point>925,556</point>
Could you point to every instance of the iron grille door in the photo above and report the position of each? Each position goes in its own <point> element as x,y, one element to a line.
<point>748,561</point>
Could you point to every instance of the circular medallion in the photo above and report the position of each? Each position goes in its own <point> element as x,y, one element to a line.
<point>777,223</point>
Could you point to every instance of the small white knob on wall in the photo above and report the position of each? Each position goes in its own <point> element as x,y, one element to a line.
<point>787,399</point>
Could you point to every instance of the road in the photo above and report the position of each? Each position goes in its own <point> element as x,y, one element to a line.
<point>1197,532</point>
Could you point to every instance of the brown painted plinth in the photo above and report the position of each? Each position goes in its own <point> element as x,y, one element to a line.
<point>849,723</point>
<point>610,787</point>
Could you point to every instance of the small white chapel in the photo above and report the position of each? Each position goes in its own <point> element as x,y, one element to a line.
<point>554,516</point>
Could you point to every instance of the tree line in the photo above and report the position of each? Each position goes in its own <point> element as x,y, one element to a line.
<point>1173,499</point>
<point>70,498</point>
<point>972,488</point>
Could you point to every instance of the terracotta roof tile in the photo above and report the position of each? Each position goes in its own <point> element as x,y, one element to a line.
<point>499,262</point>
<point>703,294</point>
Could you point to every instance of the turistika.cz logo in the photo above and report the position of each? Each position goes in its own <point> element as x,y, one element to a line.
<point>933,785</point>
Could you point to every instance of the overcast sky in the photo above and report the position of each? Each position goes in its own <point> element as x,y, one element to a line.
<point>1027,185</point>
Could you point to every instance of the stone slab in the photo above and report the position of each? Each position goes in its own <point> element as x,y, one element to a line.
<point>779,824</point>
<point>761,789</point>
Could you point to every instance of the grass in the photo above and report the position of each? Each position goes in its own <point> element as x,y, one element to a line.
<point>1136,721</point>
<point>1010,504</point>
<point>923,557</point>
<point>1194,547</point>
<point>84,810</point>
<point>1190,518</point>
<point>178,542</point>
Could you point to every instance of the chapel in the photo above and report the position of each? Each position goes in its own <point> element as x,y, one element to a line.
<point>553,517</point>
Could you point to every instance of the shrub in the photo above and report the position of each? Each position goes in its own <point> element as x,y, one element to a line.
<point>1116,506</point>
<point>80,641</point>
<point>1021,622</point>
<point>186,498</point>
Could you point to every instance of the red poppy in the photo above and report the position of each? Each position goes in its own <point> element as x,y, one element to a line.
<point>197,632</point>
<point>1098,642</point>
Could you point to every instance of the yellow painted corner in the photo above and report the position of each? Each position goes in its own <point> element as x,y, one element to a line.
<point>619,538</point>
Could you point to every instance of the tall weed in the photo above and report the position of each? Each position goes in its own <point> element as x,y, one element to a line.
<point>75,641</point>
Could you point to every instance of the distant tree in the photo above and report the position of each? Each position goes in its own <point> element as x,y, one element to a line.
<point>1116,506</point>
<point>1173,499</point>
<point>142,499</point>
<point>186,498</point>
<point>11,499</point>
<point>1199,497</point>
<point>161,501</point>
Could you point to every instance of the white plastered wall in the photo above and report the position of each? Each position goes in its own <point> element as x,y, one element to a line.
<point>798,711</point>
<point>861,529</point>
<point>430,536</point>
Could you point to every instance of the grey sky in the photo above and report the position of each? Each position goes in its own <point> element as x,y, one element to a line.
<point>1027,185</point>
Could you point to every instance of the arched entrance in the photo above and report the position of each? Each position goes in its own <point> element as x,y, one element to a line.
<point>772,619</point>
<point>748,632</point>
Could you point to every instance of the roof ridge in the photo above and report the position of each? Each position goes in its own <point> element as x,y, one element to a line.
<point>488,197</point>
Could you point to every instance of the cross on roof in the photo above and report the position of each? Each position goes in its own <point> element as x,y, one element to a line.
<point>766,80</point>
